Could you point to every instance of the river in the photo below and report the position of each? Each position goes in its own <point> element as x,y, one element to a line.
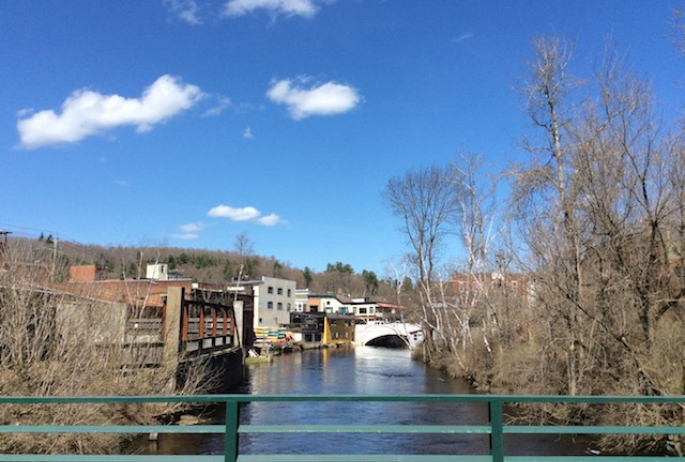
<point>364,370</point>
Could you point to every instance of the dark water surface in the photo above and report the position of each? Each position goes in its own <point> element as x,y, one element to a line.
<point>366,370</point>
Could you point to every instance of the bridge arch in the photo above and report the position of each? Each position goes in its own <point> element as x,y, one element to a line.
<point>395,335</point>
<point>389,341</point>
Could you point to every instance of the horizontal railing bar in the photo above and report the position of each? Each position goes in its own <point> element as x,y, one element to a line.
<point>321,458</point>
<point>437,429</point>
<point>113,399</point>
<point>361,458</point>
<point>113,429</point>
<point>591,459</point>
<point>592,430</point>
<point>496,400</point>
<point>448,429</point>
<point>506,399</point>
<point>107,458</point>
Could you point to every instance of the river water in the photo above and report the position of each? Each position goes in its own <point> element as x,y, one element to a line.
<point>365,370</point>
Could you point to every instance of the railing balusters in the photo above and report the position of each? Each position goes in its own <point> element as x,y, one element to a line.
<point>232,428</point>
<point>497,430</point>
<point>231,440</point>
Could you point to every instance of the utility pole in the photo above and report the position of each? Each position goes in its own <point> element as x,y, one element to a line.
<point>54,258</point>
<point>3,244</point>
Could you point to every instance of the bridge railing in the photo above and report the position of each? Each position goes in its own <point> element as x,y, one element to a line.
<point>233,429</point>
<point>206,327</point>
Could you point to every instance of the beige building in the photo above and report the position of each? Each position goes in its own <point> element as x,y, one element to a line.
<point>274,300</point>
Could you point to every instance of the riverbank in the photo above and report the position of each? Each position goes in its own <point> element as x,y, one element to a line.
<point>263,352</point>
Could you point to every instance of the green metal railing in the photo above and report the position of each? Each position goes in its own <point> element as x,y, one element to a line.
<point>495,429</point>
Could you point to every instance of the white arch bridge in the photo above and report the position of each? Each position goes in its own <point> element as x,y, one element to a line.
<point>397,334</point>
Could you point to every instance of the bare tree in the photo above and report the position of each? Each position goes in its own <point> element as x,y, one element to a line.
<point>477,232</point>
<point>244,247</point>
<point>59,342</point>
<point>396,276</point>
<point>602,209</point>
<point>546,184</point>
<point>427,202</point>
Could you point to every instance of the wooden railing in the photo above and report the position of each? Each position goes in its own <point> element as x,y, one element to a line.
<point>144,329</point>
<point>206,327</point>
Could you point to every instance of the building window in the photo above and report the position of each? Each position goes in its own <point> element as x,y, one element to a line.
<point>280,291</point>
<point>270,290</point>
<point>288,306</point>
<point>288,292</point>
<point>362,310</point>
<point>270,305</point>
<point>280,306</point>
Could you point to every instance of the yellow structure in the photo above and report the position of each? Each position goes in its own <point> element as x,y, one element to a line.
<point>338,330</point>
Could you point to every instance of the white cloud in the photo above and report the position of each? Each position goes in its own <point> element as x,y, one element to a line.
<point>247,134</point>
<point>463,37</point>
<point>222,102</point>
<point>250,214</point>
<point>190,231</point>
<point>185,10</point>
<point>234,214</point>
<point>305,8</point>
<point>192,227</point>
<point>325,99</point>
<point>86,113</point>
<point>269,220</point>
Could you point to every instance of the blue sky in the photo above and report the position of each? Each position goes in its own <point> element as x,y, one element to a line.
<point>187,122</point>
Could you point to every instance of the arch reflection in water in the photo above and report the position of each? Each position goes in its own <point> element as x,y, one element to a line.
<point>363,371</point>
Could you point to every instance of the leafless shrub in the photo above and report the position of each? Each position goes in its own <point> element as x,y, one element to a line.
<point>59,343</point>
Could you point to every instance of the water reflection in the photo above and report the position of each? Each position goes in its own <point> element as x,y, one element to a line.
<point>364,371</point>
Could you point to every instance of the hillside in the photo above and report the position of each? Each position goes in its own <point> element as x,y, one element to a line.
<point>207,266</point>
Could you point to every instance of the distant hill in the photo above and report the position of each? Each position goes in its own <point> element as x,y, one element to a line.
<point>208,266</point>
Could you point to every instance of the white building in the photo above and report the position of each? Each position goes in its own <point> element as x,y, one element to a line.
<point>301,300</point>
<point>367,310</point>
<point>274,299</point>
<point>330,304</point>
<point>159,272</point>
<point>310,302</point>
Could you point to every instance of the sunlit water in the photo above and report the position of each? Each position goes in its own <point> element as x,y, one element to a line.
<point>373,371</point>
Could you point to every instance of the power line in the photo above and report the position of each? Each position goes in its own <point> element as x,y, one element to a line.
<point>27,232</point>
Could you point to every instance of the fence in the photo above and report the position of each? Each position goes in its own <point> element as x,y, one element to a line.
<point>496,429</point>
<point>206,327</point>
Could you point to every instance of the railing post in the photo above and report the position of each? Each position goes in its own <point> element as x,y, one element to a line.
<point>201,334</point>
<point>186,316</point>
<point>231,437</point>
<point>496,430</point>
<point>175,321</point>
